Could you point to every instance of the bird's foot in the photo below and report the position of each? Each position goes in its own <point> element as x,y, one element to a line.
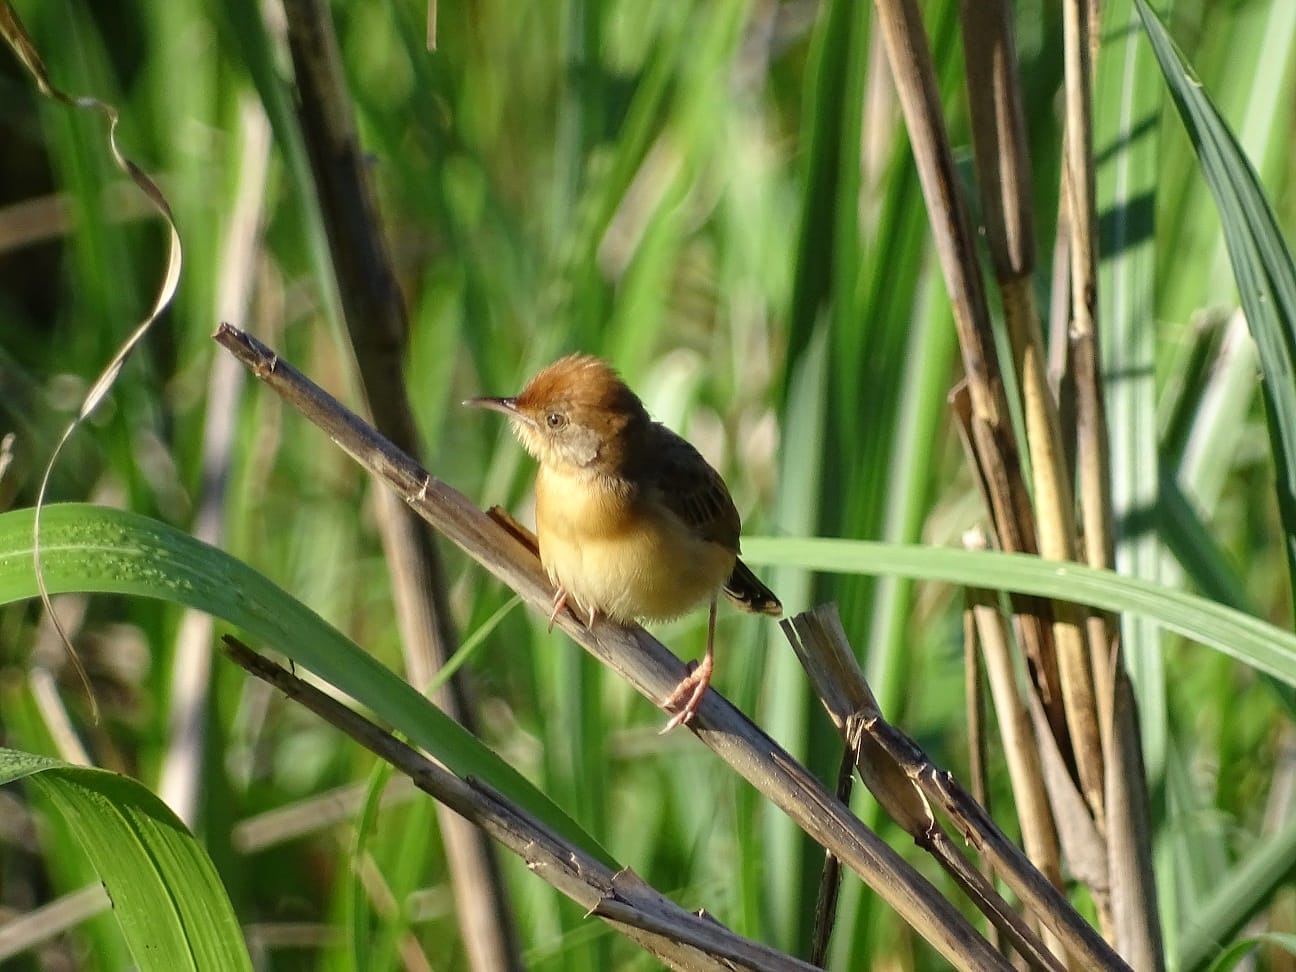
<point>687,697</point>
<point>560,602</point>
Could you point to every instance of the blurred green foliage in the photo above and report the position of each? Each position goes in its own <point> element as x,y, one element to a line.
<point>719,198</point>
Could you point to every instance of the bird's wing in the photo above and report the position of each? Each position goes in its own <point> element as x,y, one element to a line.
<point>685,484</point>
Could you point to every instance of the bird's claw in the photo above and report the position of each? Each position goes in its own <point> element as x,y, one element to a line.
<point>560,602</point>
<point>690,691</point>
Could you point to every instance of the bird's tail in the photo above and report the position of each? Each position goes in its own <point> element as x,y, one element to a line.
<point>746,590</point>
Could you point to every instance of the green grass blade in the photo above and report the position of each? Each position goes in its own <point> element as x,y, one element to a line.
<point>98,550</point>
<point>1129,88</point>
<point>1235,900</point>
<point>1232,956</point>
<point>1247,639</point>
<point>1265,276</point>
<point>167,899</point>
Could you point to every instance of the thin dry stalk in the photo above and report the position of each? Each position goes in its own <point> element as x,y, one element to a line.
<point>1034,816</point>
<point>640,659</point>
<point>1133,889</point>
<point>998,135</point>
<point>26,931</point>
<point>830,879</point>
<point>1060,371</point>
<point>978,770</point>
<point>310,815</point>
<point>1029,613</point>
<point>180,783</point>
<point>377,323</point>
<point>991,434</point>
<point>904,780</point>
<point>1094,471</point>
<point>1135,912</point>
<point>376,320</point>
<point>1003,171</point>
<point>679,938</point>
<point>974,700</point>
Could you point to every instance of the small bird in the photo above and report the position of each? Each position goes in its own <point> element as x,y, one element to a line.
<point>633,523</point>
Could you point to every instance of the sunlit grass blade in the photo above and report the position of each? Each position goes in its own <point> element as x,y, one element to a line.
<point>95,549</point>
<point>1129,89</point>
<point>1249,640</point>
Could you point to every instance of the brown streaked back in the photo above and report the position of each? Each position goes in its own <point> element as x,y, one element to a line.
<point>682,481</point>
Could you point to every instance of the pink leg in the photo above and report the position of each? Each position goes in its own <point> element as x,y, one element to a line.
<point>694,686</point>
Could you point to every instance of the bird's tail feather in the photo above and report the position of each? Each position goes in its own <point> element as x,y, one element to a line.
<point>746,590</point>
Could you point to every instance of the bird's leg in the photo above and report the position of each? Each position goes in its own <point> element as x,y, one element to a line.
<point>694,685</point>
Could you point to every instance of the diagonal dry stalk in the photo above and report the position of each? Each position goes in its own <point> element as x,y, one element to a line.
<point>676,936</point>
<point>990,435</point>
<point>639,659</point>
<point>1096,746</point>
<point>907,784</point>
<point>1003,171</point>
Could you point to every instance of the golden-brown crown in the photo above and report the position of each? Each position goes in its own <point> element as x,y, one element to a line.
<point>580,382</point>
<point>577,413</point>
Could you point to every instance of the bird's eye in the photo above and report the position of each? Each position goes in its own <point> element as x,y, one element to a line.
<point>556,420</point>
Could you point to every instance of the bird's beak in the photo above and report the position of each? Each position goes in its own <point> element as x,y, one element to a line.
<point>506,406</point>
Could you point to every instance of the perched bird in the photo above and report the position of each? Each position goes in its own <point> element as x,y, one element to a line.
<point>633,523</point>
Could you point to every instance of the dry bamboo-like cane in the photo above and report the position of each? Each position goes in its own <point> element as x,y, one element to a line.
<point>995,448</point>
<point>679,938</point>
<point>646,664</point>
<point>1003,172</point>
<point>904,780</point>
<point>1034,814</point>
<point>1021,753</point>
<point>1133,887</point>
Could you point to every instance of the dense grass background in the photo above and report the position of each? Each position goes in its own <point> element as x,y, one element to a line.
<point>720,199</point>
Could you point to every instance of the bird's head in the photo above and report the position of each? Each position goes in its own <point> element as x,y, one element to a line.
<point>576,413</point>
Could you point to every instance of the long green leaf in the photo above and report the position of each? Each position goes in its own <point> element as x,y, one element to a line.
<point>1129,89</point>
<point>1257,643</point>
<point>1261,262</point>
<point>93,549</point>
<point>166,896</point>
